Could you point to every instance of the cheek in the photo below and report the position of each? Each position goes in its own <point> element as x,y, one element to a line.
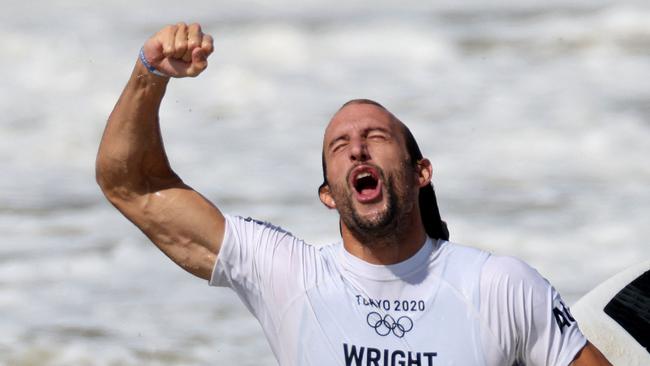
<point>388,154</point>
<point>338,188</point>
<point>406,180</point>
<point>335,172</point>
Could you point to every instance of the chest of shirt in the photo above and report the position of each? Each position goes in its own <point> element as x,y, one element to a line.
<point>341,323</point>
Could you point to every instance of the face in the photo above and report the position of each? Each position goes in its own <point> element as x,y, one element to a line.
<point>371,179</point>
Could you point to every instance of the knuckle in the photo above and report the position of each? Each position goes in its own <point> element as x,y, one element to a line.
<point>164,32</point>
<point>170,30</point>
<point>207,44</point>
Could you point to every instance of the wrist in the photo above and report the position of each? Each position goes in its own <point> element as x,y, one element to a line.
<point>150,68</point>
<point>147,82</point>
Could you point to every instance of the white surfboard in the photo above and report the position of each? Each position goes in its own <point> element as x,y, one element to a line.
<point>615,316</point>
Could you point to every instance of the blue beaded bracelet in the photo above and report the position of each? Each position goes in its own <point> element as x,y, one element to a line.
<point>149,66</point>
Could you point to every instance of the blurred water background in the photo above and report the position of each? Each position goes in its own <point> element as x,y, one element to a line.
<point>536,115</point>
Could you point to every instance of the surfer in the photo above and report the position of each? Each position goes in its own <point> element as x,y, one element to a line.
<point>394,291</point>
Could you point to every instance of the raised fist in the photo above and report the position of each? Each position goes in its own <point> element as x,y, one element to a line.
<point>179,50</point>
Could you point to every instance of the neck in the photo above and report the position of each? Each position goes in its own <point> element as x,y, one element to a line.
<point>385,250</point>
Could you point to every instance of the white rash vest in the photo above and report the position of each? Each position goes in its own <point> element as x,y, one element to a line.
<point>446,305</point>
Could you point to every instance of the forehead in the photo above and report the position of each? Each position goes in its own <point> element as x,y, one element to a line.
<point>360,117</point>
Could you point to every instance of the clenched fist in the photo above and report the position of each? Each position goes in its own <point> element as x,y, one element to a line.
<point>179,50</point>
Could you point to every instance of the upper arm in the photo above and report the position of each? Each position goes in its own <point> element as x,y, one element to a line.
<point>182,223</point>
<point>590,356</point>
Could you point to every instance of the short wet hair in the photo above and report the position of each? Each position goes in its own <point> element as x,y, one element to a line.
<point>434,226</point>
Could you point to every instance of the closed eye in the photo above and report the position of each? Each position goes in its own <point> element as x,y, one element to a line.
<point>340,145</point>
<point>377,135</point>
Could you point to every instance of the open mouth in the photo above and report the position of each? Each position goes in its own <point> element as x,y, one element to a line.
<point>366,183</point>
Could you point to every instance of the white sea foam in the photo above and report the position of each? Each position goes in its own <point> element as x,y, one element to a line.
<point>535,116</point>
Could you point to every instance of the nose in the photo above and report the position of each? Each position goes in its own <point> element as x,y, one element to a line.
<point>359,150</point>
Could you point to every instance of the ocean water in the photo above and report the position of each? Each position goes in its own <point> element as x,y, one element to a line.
<point>536,115</point>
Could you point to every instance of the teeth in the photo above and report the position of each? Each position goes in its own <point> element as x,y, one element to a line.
<point>363,175</point>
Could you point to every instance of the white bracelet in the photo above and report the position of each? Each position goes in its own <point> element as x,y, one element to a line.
<point>149,66</point>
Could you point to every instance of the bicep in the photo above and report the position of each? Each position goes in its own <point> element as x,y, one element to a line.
<point>182,223</point>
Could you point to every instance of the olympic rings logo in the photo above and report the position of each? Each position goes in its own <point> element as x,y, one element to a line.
<point>387,324</point>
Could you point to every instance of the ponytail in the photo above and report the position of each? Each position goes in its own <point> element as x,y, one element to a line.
<point>429,212</point>
<point>433,224</point>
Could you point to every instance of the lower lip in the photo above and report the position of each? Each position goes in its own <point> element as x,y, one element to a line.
<point>369,196</point>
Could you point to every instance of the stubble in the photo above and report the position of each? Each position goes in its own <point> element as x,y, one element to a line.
<point>383,227</point>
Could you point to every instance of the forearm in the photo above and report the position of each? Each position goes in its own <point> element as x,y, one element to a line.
<point>132,168</point>
<point>131,159</point>
<point>590,356</point>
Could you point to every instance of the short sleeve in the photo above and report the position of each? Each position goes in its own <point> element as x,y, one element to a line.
<point>262,263</point>
<point>530,321</point>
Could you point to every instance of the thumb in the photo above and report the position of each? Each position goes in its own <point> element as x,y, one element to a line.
<point>199,62</point>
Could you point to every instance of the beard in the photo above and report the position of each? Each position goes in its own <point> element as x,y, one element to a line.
<point>381,227</point>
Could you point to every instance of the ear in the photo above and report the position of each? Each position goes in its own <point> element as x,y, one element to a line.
<point>424,172</point>
<point>326,196</point>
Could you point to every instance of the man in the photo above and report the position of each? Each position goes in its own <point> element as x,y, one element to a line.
<point>393,292</point>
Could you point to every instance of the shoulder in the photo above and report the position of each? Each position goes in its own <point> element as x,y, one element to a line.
<point>261,245</point>
<point>520,293</point>
<point>238,223</point>
<point>464,263</point>
<point>247,231</point>
<point>510,271</point>
<point>258,253</point>
<point>330,250</point>
<point>455,252</point>
<point>493,269</point>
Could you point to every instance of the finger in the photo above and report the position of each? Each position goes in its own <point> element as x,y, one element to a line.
<point>167,38</point>
<point>153,49</point>
<point>194,38</point>
<point>207,44</point>
<point>180,40</point>
<point>199,62</point>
